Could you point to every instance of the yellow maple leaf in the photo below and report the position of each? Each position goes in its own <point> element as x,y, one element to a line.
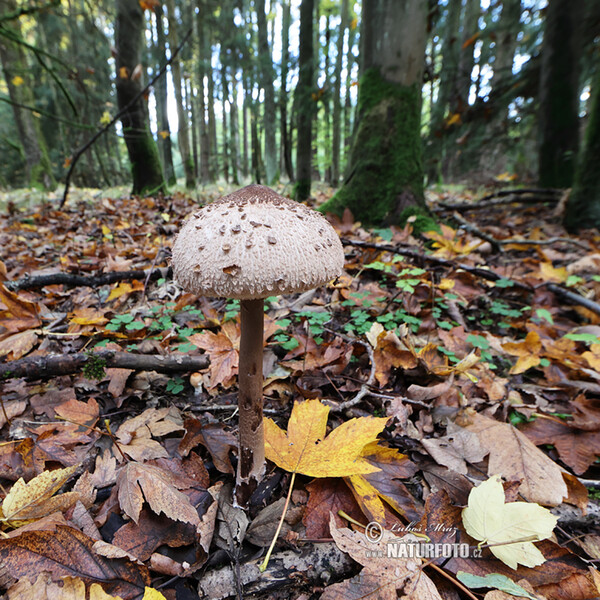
<point>17,80</point>
<point>306,449</point>
<point>509,528</point>
<point>31,501</point>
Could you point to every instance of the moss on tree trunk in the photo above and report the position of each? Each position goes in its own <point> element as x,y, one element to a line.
<point>583,206</point>
<point>386,170</point>
<point>141,147</point>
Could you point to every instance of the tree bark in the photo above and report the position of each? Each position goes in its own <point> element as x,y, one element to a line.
<point>337,100</point>
<point>182,116</point>
<point>386,171</point>
<point>204,72</point>
<point>18,80</point>
<point>283,94</point>
<point>559,93</point>
<point>583,205</point>
<point>305,103</point>
<point>43,367</point>
<point>266,82</point>
<point>146,169</point>
<point>164,130</point>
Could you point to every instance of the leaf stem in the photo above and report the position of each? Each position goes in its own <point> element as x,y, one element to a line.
<point>265,562</point>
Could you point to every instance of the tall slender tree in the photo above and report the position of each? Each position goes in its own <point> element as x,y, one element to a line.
<point>286,149</point>
<point>182,115</point>
<point>266,82</point>
<point>583,205</point>
<point>146,169</point>
<point>559,93</point>
<point>17,75</point>
<point>337,93</point>
<point>304,101</point>
<point>386,171</point>
<point>162,108</point>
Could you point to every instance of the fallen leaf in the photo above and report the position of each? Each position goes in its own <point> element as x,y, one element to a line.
<point>68,552</point>
<point>137,482</point>
<point>496,581</point>
<point>501,525</point>
<point>17,345</point>
<point>26,502</point>
<point>306,449</point>
<point>457,448</point>
<point>515,457</point>
<point>383,576</point>
<point>328,495</point>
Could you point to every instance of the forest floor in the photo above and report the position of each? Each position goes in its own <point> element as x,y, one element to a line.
<point>442,359</point>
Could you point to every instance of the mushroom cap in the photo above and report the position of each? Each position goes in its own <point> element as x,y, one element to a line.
<point>255,243</point>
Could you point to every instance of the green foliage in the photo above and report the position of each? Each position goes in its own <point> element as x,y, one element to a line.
<point>175,385</point>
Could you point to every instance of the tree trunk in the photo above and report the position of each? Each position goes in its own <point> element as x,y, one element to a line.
<point>224,128</point>
<point>256,155</point>
<point>466,59</point>
<point>283,94</point>
<point>164,130</point>
<point>266,82</point>
<point>304,101</point>
<point>204,71</point>
<point>245,111</point>
<point>583,206</point>
<point>559,93</point>
<point>337,100</point>
<point>386,171</point>
<point>450,56</point>
<point>234,134</point>
<point>182,116</point>
<point>146,169</point>
<point>191,108</point>
<point>326,103</point>
<point>18,80</point>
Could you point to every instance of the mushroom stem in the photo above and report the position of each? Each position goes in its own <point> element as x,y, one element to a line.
<point>251,456</point>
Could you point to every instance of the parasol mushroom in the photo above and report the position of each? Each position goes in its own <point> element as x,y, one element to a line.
<point>249,245</point>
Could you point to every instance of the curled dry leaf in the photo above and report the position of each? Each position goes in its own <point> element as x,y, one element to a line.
<point>159,488</point>
<point>382,576</point>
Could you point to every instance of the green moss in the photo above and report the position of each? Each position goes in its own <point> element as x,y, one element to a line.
<point>94,367</point>
<point>422,222</point>
<point>386,173</point>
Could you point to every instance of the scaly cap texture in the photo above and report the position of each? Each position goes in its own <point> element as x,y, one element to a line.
<point>255,243</point>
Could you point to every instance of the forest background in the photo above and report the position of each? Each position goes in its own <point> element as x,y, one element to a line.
<point>482,91</point>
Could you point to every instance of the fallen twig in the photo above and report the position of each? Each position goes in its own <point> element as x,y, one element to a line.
<point>73,280</point>
<point>502,197</point>
<point>497,244</point>
<point>42,367</point>
<point>574,297</point>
